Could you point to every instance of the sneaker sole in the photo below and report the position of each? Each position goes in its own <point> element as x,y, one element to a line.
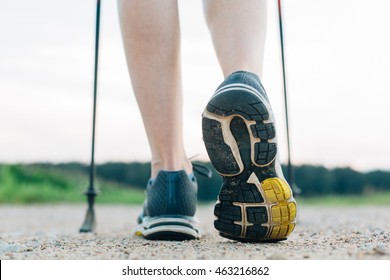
<point>254,205</point>
<point>175,227</point>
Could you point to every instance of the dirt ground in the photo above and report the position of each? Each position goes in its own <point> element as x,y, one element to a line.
<point>51,232</point>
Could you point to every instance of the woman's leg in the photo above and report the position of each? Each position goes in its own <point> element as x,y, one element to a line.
<point>255,203</point>
<point>151,37</point>
<point>238,30</point>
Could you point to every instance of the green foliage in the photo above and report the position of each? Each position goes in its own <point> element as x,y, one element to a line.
<point>45,183</point>
<point>134,174</point>
<point>125,182</point>
<point>319,181</point>
<point>19,184</point>
<point>381,198</point>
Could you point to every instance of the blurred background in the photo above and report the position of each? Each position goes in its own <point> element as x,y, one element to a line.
<point>337,69</point>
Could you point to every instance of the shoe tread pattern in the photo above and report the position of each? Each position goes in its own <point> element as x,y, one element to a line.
<point>249,210</point>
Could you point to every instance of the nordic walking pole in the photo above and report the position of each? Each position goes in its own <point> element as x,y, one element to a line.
<point>89,222</point>
<point>290,170</point>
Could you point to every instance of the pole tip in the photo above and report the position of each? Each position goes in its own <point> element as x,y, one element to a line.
<point>89,222</point>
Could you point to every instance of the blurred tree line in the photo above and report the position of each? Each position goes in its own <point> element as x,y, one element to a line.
<point>312,180</point>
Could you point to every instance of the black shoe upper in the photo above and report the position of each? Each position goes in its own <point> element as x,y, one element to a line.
<point>171,193</point>
<point>245,77</point>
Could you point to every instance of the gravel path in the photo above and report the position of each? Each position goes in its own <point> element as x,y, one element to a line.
<point>51,232</point>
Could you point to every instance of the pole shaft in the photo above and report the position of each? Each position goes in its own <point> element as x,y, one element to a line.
<point>91,188</point>
<point>289,165</point>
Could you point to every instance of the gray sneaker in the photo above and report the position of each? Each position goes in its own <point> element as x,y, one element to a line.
<point>169,208</point>
<point>255,202</point>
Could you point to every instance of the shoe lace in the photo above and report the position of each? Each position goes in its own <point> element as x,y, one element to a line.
<point>202,169</point>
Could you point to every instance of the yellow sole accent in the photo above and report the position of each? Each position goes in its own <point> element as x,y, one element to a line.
<point>283,212</point>
<point>138,233</point>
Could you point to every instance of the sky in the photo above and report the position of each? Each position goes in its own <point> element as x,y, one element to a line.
<point>338,75</point>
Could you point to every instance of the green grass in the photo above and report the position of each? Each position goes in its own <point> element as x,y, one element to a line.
<point>348,200</point>
<point>23,184</point>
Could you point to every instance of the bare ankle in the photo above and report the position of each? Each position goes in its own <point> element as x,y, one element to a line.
<point>170,165</point>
